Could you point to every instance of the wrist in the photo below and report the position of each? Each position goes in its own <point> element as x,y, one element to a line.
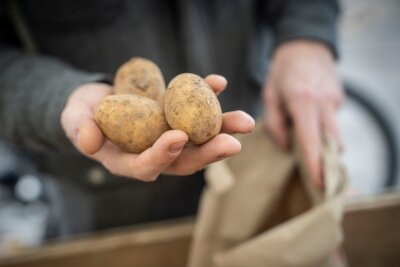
<point>302,47</point>
<point>89,91</point>
<point>80,104</point>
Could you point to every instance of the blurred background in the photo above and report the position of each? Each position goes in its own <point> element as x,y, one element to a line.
<point>370,67</point>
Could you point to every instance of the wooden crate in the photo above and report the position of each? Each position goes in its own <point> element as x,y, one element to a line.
<point>154,245</point>
<point>371,226</point>
<point>372,231</point>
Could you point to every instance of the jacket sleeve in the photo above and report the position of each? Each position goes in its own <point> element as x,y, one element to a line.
<point>305,19</point>
<point>33,92</point>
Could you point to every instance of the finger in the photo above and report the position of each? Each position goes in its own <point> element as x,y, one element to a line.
<point>114,159</point>
<point>330,124</point>
<point>217,82</point>
<point>275,121</point>
<point>237,122</point>
<point>308,134</point>
<point>90,137</point>
<point>147,165</point>
<point>79,108</point>
<point>195,158</point>
<point>150,163</point>
<point>276,125</point>
<point>71,120</point>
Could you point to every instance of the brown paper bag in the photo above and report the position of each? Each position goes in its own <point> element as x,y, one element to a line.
<point>259,209</point>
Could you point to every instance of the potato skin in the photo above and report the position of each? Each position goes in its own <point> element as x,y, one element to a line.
<point>132,122</point>
<point>140,76</point>
<point>191,106</point>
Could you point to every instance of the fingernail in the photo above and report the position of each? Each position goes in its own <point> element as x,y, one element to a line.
<point>222,78</point>
<point>174,148</point>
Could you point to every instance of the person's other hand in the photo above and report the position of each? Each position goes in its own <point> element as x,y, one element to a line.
<point>303,89</point>
<point>171,154</point>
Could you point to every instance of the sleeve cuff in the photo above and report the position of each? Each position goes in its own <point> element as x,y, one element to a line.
<point>34,91</point>
<point>312,20</point>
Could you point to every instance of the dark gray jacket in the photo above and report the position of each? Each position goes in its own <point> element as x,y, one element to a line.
<point>80,41</point>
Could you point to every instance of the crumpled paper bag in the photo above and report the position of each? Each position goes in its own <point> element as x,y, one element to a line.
<point>260,209</point>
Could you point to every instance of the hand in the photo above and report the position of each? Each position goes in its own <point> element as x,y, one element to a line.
<point>171,154</point>
<point>303,89</point>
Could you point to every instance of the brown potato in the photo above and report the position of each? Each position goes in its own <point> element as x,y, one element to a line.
<point>191,106</point>
<point>140,76</point>
<point>132,122</point>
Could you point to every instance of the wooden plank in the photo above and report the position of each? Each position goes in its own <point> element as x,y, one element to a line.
<point>382,200</point>
<point>372,231</point>
<point>371,226</point>
<point>165,244</point>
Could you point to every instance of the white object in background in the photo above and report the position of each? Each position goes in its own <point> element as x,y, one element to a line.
<point>28,188</point>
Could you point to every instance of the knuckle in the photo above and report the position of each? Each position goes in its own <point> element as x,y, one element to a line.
<point>164,161</point>
<point>191,171</point>
<point>334,97</point>
<point>331,95</point>
<point>144,176</point>
<point>113,171</point>
<point>182,171</point>
<point>269,95</point>
<point>147,177</point>
<point>305,95</point>
<point>334,94</point>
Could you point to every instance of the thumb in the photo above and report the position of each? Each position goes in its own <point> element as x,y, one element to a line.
<point>90,137</point>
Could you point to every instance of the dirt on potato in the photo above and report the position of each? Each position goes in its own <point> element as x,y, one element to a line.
<point>140,76</point>
<point>132,122</point>
<point>191,106</point>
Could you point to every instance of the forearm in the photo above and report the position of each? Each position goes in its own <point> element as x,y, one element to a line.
<point>33,92</point>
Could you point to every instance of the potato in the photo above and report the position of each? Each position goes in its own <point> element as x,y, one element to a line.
<point>140,76</point>
<point>132,122</point>
<point>191,106</point>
